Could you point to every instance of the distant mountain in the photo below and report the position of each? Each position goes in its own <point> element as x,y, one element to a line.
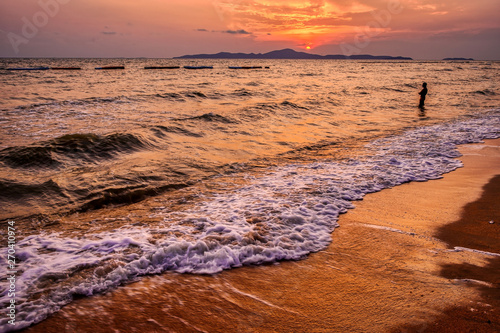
<point>458,59</point>
<point>287,54</point>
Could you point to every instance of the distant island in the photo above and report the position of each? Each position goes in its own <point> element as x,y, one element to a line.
<point>287,54</point>
<point>458,59</point>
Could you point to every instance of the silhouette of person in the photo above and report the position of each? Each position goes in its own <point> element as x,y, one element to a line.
<point>422,94</point>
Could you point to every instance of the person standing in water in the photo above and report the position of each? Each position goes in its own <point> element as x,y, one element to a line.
<point>422,94</point>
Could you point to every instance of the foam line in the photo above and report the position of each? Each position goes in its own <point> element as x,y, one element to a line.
<point>460,249</point>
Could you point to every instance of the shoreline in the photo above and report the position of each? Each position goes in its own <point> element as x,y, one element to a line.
<point>382,272</point>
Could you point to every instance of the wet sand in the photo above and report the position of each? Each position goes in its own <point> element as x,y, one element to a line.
<point>392,266</point>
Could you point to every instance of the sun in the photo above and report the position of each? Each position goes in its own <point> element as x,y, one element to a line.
<point>308,47</point>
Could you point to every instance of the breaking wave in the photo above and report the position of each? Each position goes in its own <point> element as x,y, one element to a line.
<point>79,147</point>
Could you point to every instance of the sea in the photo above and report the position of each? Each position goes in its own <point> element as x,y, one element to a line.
<point>109,175</point>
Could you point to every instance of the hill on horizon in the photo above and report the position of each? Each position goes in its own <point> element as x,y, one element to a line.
<point>288,54</point>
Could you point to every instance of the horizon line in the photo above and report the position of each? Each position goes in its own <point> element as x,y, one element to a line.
<point>183,59</point>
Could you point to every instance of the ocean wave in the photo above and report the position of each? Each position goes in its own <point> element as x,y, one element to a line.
<point>29,157</point>
<point>16,191</point>
<point>411,85</point>
<point>293,105</point>
<point>270,109</point>
<point>172,96</point>
<point>81,164</point>
<point>209,117</point>
<point>486,92</point>
<point>195,94</point>
<point>184,95</point>
<point>20,198</point>
<point>29,200</point>
<point>161,131</point>
<point>77,102</point>
<point>125,194</point>
<point>396,90</point>
<point>76,147</point>
<point>242,93</point>
<point>283,215</point>
<point>176,96</point>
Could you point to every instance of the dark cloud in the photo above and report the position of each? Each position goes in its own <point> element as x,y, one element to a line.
<point>232,32</point>
<point>237,32</point>
<point>108,33</point>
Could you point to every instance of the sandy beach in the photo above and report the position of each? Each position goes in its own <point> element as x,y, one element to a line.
<point>421,257</point>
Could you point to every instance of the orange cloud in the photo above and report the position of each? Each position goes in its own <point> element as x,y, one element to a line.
<point>318,22</point>
<point>307,23</point>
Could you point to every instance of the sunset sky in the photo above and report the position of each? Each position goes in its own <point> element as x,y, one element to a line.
<point>427,29</point>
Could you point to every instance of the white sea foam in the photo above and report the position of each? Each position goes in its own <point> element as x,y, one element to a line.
<point>284,215</point>
<point>486,253</point>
